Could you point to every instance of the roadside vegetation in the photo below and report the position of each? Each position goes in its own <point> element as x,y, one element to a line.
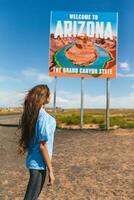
<point>93,118</point>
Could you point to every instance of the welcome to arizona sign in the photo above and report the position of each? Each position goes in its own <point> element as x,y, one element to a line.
<point>83,44</point>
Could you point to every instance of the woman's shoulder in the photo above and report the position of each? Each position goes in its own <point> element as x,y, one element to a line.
<point>45,115</point>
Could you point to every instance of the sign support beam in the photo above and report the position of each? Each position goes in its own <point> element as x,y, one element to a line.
<point>81,110</point>
<point>54,105</point>
<point>107,104</point>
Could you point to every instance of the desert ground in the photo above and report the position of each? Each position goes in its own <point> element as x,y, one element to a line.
<point>88,164</point>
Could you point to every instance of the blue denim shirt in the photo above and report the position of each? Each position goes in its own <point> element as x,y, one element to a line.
<point>44,131</point>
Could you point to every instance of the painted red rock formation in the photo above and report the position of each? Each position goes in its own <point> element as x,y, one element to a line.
<point>57,43</point>
<point>83,52</point>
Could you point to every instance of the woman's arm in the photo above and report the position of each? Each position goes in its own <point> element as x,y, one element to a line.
<point>44,151</point>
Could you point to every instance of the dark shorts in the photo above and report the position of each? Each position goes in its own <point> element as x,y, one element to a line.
<point>35,184</point>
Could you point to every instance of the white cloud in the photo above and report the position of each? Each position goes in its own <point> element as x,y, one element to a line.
<point>125,75</point>
<point>29,73</point>
<point>72,100</point>
<point>124,66</point>
<point>11,98</point>
<point>67,99</point>
<point>7,78</point>
<point>36,75</point>
<point>123,102</point>
<point>132,86</point>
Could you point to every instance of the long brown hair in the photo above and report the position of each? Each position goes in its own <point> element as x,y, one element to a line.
<point>35,98</point>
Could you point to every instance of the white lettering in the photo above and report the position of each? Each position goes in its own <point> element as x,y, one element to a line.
<point>108,31</point>
<point>92,29</point>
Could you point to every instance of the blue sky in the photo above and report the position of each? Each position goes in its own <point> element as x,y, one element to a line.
<point>24,50</point>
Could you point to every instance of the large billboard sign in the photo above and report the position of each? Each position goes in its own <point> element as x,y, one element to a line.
<point>83,44</point>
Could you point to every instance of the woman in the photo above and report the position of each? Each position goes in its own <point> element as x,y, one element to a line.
<point>37,136</point>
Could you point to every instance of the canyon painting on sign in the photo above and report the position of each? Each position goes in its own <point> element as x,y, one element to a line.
<point>83,44</point>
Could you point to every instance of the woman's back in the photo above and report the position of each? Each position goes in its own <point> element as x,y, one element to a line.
<point>44,131</point>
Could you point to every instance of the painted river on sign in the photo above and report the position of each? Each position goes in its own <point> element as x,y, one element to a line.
<point>62,60</point>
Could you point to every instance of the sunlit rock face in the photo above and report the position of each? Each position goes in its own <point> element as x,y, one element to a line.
<point>56,44</point>
<point>83,52</point>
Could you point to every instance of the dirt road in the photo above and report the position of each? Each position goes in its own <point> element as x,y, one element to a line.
<point>88,165</point>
